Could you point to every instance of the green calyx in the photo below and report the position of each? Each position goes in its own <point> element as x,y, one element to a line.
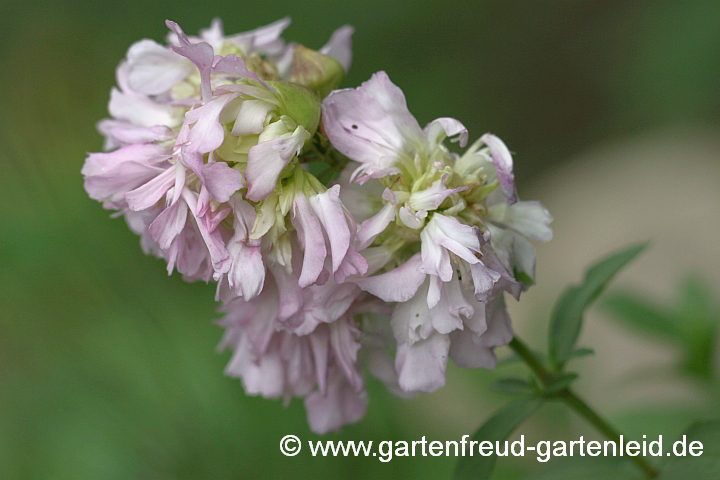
<point>318,72</point>
<point>299,103</point>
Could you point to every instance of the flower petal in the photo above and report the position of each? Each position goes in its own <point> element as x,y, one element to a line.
<point>502,159</point>
<point>155,69</point>
<point>247,272</point>
<point>118,133</point>
<point>528,218</point>
<point>371,124</point>
<point>374,226</point>
<point>421,366</point>
<point>169,224</point>
<point>201,54</point>
<point>213,240</point>
<point>432,197</point>
<point>264,39</point>
<point>266,161</point>
<point>484,279</point>
<point>345,348</point>
<point>207,133</point>
<point>414,220</point>
<point>312,239</point>
<point>150,193</point>
<point>435,258</point>
<point>397,285</point>
<point>339,46</point>
<point>235,66</point>
<point>457,237</point>
<point>438,129</point>
<point>341,405</point>
<point>141,110</point>
<point>329,210</point>
<point>251,117</point>
<point>221,180</point>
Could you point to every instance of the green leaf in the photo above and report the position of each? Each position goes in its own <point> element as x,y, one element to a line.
<point>696,302</point>
<point>511,385</point>
<point>699,322</point>
<point>567,316</point>
<point>581,352</point>
<point>690,325</point>
<point>513,358</point>
<point>705,466</point>
<point>496,428</point>
<point>639,313</point>
<point>560,381</point>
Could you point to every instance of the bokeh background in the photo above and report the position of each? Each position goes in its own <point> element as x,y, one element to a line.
<point>108,368</point>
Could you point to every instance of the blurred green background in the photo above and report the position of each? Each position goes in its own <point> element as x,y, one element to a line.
<point>108,368</point>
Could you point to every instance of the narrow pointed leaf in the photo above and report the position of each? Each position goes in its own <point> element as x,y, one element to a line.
<point>567,316</point>
<point>497,428</point>
<point>560,382</point>
<point>642,315</point>
<point>511,385</point>
<point>582,352</point>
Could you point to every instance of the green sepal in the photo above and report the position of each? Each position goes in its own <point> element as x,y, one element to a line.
<point>318,72</point>
<point>299,103</point>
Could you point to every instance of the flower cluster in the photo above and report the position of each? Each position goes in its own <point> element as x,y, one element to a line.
<point>222,153</point>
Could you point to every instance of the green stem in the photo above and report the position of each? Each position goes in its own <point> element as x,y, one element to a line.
<point>576,403</point>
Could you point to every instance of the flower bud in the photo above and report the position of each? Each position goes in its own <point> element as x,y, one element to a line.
<point>320,73</point>
<point>299,103</point>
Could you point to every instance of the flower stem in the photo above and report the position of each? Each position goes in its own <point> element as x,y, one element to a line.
<point>575,402</point>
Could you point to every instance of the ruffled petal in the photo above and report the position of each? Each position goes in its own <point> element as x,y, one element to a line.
<point>329,210</point>
<point>213,240</point>
<point>207,133</point>
<point>371,124</point>
<point>484,279</point>
<point>344,344</point>
<point>397,285</point>
<point>251,117</point>
<point>264,39</point>
<point>339,46</point>
<point>457,237</point>
<point>374,226</point>
<point>312,239</point>
<point>440,128</point>
<point>502,159</point>
<point>154,69</point>
<point>421,366</point>
<point>411,321</point>
<point>151,192</point>
<point>467,350</point>
<point>414,220</point>
<point>266,161</point>
<point>142,111</point>
<point>235,66</point>
<point>118,133</point>
<point>221,180</point>
<point>247,272</point>
<point>435,258</point>
<point>200,53</point>
<point>169,224</point>
<point>528,218</point>
<point>431,198</point>
<point>341,405</point>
